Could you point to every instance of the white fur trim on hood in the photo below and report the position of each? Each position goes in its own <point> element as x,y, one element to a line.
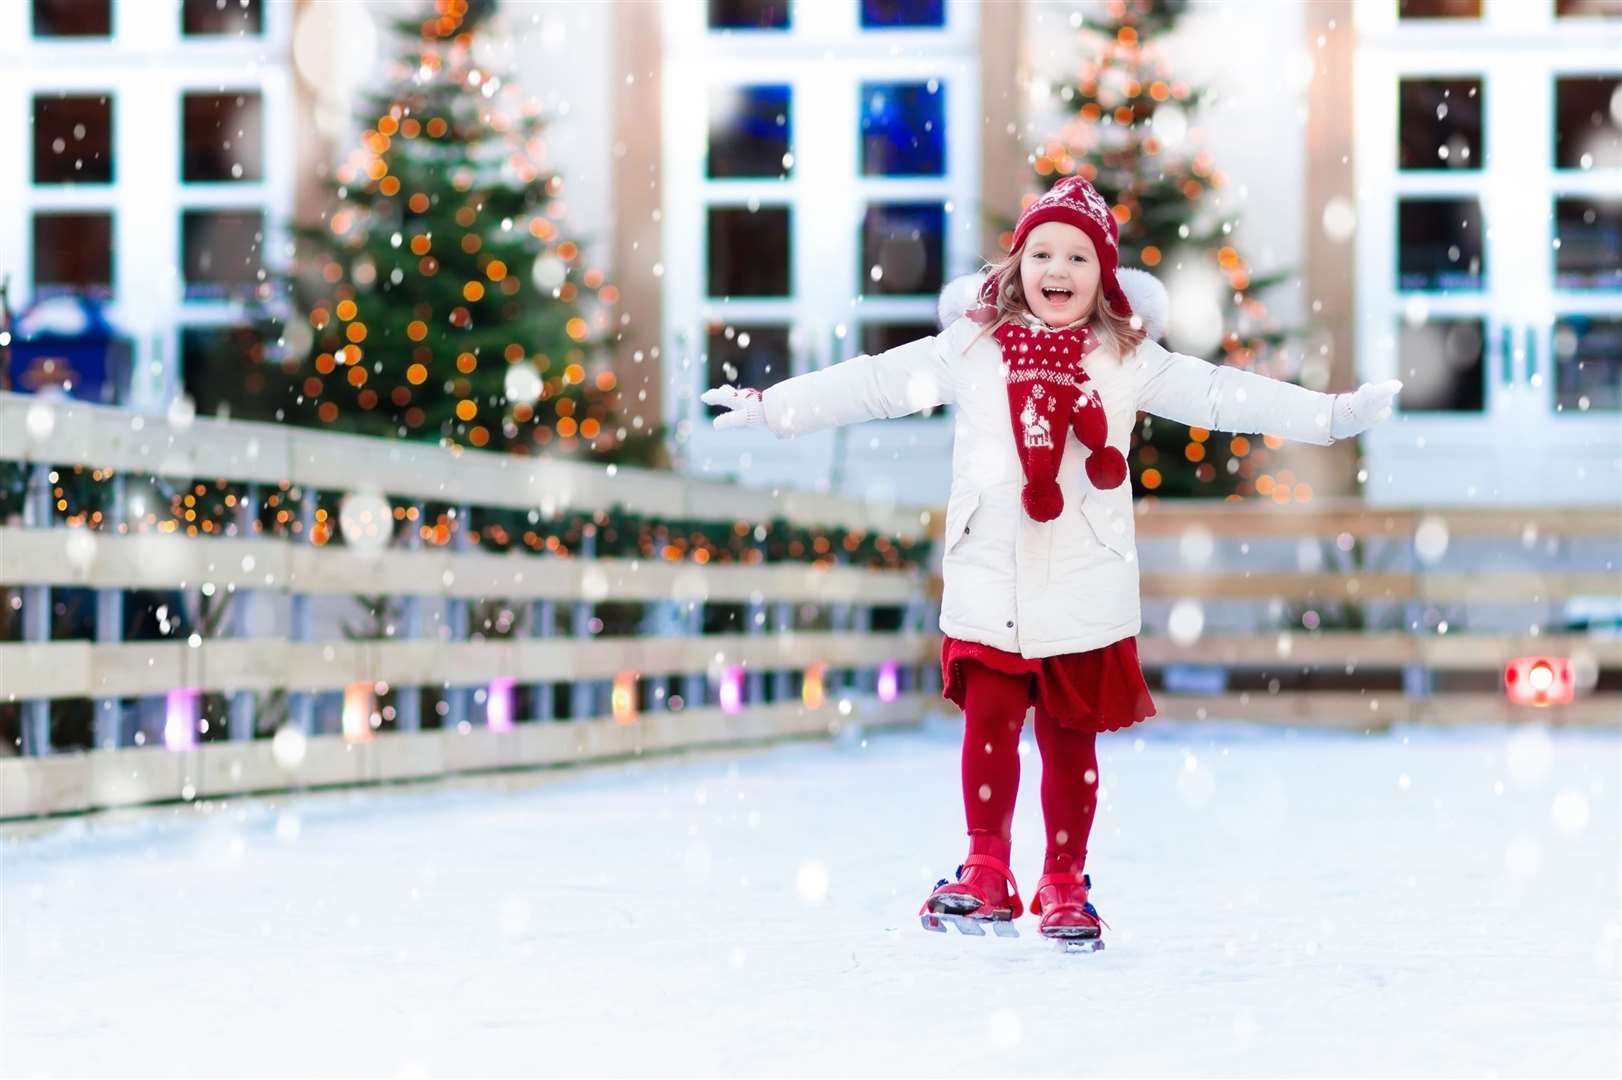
<point>960,295</point>
<point>1148,299</point>
<point>1143,291</point>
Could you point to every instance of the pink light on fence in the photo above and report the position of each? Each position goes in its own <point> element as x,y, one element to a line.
<point>889,681</point>
<point>732,690</point>
<point>180,719</point>
<point>358,706</point>
<point>498,705</point>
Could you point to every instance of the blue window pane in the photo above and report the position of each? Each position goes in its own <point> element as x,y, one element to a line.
<point>221,252</point>
<point>73,252</point>
<point>1439,244</point>
<point>749,15</point>
<point>902,249</point>
<point>1589,235</point>
<point>755,356</point>
<point>1443,365</point>
<point>750,131</point>
<point>750,251</point>
<point>904,129</point>
<point>881,13</point>
<point>1588,364</point>
<point>1439,125</point>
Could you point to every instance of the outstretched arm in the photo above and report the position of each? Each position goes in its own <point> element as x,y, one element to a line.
<point>1201,394</point>
<point>897,382</point>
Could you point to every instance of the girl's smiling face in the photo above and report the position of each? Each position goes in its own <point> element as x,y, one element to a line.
<point>1058,272</point>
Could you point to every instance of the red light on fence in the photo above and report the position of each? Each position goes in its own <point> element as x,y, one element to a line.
<point>1539,680</point>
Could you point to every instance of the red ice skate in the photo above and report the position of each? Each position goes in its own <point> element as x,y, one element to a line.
<point>969,904</point>
<point>1067,915</point>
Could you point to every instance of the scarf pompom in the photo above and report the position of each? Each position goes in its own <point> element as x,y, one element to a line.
<point>1106,468</point>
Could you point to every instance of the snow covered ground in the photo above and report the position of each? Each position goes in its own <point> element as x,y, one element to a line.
<point>1423,902</point>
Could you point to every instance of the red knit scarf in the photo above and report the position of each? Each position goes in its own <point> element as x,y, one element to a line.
<point>1048,394</point>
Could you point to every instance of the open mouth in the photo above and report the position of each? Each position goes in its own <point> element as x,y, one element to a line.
<point>1057,297</point>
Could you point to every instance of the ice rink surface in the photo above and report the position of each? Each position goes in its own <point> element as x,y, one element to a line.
<point>1408,902</point>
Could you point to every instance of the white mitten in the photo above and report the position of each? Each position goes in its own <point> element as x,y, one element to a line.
<point>1360,410</point>
<point>747,408</point>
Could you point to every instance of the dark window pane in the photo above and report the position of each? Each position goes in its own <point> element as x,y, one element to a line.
<point>750,131</point>
<point>199,17</point>
<point>753,356</point>
<point>1591,9</point>
<point>882,337</point>
<point>1439,244</point>
<point>222,136</point>
<point>226,373</point>
<point>1588,122</point>
<point>749,14</point>
<point>1588,364</point>
<point>1442,365</point>
<point>73,252</point>
<point>749,251</point>
<point>902,249</point>
<point>1440,124</point>
<point>73,18</point>
<point>222,251</point>
<point>1587,239</point>
<point>1438,9</point>
<point>73,139</point>
<point>879,13</point>
<point>904,129</point>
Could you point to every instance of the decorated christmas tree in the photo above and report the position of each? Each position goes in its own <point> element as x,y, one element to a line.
<point>1128,134</point>
<point>442,295</point>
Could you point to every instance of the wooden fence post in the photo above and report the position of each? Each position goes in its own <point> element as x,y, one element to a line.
<point>458,699</point>
<point>543,617</point>
<point>582,702</point>
<point>109,711</point>
<point>38,511</point>
<point>241,719</point>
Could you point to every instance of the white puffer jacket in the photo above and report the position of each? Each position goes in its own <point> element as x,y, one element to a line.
<point>1023,586</point>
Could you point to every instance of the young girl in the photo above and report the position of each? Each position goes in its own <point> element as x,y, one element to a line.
<point>1040,607</point>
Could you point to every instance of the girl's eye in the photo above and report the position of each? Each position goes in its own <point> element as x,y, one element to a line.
<point>1079,258</point>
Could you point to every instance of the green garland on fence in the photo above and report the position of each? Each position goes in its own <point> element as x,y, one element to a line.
<point>84,497</point>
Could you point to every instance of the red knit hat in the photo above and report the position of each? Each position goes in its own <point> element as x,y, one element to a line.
<point>1075,202</point>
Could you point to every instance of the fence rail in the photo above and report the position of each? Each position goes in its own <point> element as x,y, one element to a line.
<point>66,433</point>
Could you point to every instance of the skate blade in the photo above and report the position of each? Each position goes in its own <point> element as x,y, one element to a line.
<point>938,921</point>
<point>1080,945</point>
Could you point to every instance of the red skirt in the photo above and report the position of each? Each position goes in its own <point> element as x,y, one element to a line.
<point>1097,690</point>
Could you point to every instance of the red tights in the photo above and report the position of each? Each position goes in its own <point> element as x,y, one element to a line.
<point>994,712</point>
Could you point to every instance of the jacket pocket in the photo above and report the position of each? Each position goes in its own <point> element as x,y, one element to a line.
<point>1112,524</point>
<point>958,513</point>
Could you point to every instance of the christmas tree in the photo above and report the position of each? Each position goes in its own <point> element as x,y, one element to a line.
<point>442,296</point>
<point>1127,135</point>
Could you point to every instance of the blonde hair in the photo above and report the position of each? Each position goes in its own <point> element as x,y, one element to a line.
<point>1113,328</point>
